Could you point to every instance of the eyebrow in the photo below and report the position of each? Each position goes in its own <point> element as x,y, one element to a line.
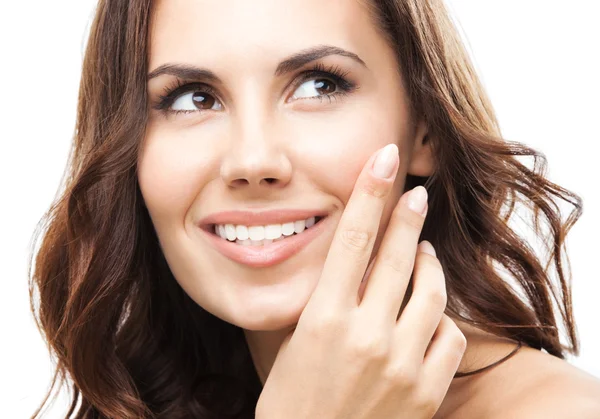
<point>293,62</point>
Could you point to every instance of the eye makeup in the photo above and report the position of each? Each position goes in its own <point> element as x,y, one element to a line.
<point>318,71</point>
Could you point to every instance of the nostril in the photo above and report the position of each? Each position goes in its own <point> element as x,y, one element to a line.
<point>238,183</point>
<point>271,180</point>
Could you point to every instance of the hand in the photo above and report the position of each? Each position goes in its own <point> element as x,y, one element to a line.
<point>354,358</point>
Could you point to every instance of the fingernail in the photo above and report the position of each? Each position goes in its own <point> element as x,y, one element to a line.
<point>427,247</point>
<point>386,161</point>
<point>417,200</point>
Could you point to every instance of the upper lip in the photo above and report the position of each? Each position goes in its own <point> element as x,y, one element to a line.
<point>250,218</point>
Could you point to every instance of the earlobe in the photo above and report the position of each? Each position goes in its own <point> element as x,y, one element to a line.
<point>421,161</point>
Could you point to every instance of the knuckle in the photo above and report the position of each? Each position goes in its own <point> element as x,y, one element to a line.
<point>437,297</point>
<point>459,341</point>
<point>375,189</point>
<point>435,292</point>
<point>356,239</point>
<point>373,349</point>
<point>402,376</point>
<point>397,263</point>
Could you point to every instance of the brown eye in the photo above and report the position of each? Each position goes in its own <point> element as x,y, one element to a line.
<point>203,100</point>
<point>324,86</point>
<point>199,101</point>
<point>315,88</point>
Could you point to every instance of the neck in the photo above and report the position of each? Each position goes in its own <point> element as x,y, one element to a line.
<point>264,346</point>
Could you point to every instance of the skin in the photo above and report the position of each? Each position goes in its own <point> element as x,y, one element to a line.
<point>216,159</point>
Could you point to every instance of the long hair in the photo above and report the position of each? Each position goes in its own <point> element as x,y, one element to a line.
<point>135,345</point>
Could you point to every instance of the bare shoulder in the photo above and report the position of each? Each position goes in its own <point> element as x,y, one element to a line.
<point>531,384</point>
<point>538,385</point>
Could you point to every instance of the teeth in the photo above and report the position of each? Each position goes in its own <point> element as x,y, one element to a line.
<point>260,235</point>
<point>272,231</point>
<point>299,226</point>
<point>221,231</point>
<point>255,233</point>
<point>287,229</point>
<point>241,232</point>
<point>230,232</point>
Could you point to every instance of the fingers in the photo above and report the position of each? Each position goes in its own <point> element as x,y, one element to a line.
<point>443,356</point>
<point>423,312</point>
<point>363,283</point>
<point>357,230</point>
<point>395,258</point>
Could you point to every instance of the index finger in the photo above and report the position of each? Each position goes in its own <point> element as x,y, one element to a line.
<point>356,232</point>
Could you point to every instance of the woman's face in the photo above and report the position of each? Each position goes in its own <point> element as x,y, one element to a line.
<point>258,135</point>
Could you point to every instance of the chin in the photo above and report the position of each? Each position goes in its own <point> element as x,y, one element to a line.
<point>270,323</point>
<point>271,307</point>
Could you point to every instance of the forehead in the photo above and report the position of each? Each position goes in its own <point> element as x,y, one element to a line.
<point>246,33</point>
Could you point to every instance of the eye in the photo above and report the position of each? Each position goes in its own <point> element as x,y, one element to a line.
<point>316,87</point>
<point>194,101</point>
<point>188,98</point>
<point>323,82</point>
<point>318,82</point>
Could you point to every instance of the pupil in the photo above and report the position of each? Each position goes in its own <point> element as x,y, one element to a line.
<point>325,86</point>
<point>203,100</point>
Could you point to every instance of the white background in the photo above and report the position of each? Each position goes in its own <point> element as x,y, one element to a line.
<point>538,60</point>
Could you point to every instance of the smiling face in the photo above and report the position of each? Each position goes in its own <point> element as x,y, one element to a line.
<point>281,103</point>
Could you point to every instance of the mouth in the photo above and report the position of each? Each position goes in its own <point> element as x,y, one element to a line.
<point>264,245</point>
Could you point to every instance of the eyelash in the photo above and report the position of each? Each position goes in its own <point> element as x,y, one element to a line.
<point>333,73</point>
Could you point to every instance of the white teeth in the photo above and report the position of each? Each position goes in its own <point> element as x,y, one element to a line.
<point>221,231</point>
<point>287,229</point>
<point>230,232</point>
<point>256,232</point>
<point>299,226</point>
<point>241,232</point>
<point>258,235</point>
<point>272,231</point>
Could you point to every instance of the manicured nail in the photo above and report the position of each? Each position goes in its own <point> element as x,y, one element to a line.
<point>417,200</point>
<point>386,161</point>
<point>426,247</point>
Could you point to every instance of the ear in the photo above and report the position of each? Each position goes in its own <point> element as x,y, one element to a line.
<point>421,159</point>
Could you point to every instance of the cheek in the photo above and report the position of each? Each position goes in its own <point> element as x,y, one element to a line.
<point>337,150</point>
<point>332,151</point>
<point>171,171</point>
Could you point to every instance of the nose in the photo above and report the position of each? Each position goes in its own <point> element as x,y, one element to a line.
<point>256,160</point>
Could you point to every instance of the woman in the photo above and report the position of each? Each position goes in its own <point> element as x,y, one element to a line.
<point>205,123</point>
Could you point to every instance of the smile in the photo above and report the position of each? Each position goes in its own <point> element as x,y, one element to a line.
<point>264,245</point>
<point>261,235</point>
